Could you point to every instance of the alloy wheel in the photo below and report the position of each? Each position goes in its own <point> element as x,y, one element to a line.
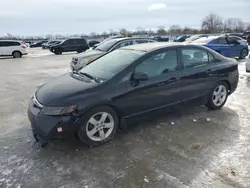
<point>100,126</point>
<point>219,95</point>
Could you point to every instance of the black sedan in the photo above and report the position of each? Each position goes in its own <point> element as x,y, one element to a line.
<point>129,83</point>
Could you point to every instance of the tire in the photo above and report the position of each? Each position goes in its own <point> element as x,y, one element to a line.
<point>243,53</point>
<point>58,51</point>
<point>92,129</point>
<point>220,91</point>
<point>17,54</point>
<point>80,50</point>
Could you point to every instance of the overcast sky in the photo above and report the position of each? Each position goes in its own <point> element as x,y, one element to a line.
<point>38,17</point>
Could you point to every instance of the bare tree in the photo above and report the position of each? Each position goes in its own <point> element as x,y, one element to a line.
<point>161,30</point>
<point>247,27</point>
<point>123,32</point>
<point>234,25</point>
<point>175,29</point>
<point>9,35</point>
<point>212,23</point>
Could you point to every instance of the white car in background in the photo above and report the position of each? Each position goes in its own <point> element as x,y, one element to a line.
<point>13,48</point>
<point>81,60</point>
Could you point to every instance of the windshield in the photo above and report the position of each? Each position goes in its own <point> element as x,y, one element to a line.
<point>109,65</point>
<point>105,46</point>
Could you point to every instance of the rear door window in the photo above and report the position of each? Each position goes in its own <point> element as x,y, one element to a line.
<point>194,57</point>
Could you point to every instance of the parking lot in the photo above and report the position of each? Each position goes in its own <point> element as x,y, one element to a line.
<point>170,151</point>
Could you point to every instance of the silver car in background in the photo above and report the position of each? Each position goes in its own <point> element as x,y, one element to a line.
<point>81,60</point>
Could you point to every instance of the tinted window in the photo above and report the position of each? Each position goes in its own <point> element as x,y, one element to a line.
<point>194,57</point>
<point>221,40</point>
<point>159,63</point>
<point>232,40</point>
<point>81,41</point>
<point>109,65</point>
<point>10,43</point>
<point>70,41</point>
<point>141,41</point>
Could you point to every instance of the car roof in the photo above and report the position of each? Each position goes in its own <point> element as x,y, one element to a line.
<point>146,47</point>
<point>130,38</point>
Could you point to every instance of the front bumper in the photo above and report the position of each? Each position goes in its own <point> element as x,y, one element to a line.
<point>45,128</point>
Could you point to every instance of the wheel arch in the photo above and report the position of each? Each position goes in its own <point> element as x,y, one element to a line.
<point>228,84</point>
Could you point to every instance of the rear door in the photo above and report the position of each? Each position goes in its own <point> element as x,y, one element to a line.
<point>236,47</point>
<point>199,75</point>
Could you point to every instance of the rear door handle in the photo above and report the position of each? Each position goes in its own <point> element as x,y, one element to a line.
<point>209,71</point>
<point>171,80</point>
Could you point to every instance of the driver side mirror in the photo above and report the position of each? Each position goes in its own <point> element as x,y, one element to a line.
<point>140,76</point>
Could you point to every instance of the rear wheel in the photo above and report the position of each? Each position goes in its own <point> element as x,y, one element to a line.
<point>17,54</point>
<point>218,96</point>
<point>243,53</point>
<point>79,50</point>
<point>98,126</point>
<point>58,51</point>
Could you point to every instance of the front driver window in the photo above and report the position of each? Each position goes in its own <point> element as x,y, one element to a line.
<point>159,63</point>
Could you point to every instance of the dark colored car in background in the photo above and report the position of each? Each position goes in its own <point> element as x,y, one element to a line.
<point>75,44</point>
<point>228,46</point>
<point>129,83</point>
<point>182,38</point>
<point>161,38</point>
<point>38,44</point>
<point>93,43</point>
<point>246,36</point>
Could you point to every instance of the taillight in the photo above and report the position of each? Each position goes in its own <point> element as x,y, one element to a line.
<point>23,46</point>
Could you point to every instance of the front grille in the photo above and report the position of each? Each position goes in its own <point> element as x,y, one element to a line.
<point>74,60</point>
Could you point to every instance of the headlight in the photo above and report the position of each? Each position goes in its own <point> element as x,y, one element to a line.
<point>46,110</point>
<point>85,61</point>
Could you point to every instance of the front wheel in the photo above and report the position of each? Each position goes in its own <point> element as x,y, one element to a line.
<point>58,51</point>
<point>218,96</point>
<point>243,53</point>
<point>98,126</point>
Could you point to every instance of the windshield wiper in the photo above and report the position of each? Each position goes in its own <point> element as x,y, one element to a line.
<point>90,76</point>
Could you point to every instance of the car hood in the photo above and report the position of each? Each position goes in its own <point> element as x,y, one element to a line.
<point>89,54</point>
<point>63,87</point>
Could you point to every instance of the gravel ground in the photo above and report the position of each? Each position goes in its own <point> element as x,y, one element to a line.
<point>212,152</point>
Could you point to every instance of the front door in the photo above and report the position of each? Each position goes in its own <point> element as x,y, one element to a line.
<point>198,75</point>
<point>161,91</point>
